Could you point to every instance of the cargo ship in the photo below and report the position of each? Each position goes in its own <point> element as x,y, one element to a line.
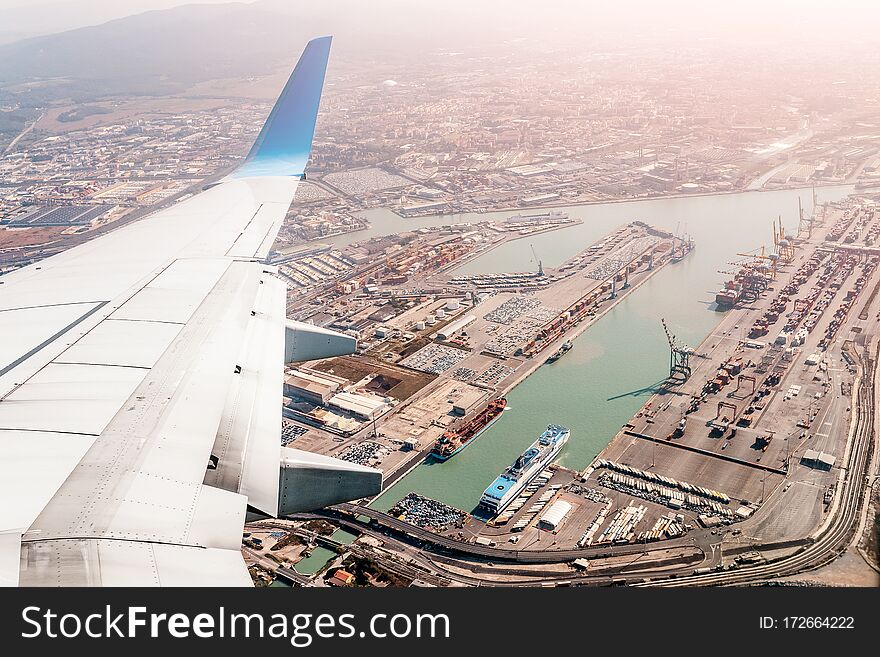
<point>728,296</point>
<point>679,252</point>
<point>529,465</point>
<point>556,355</point>
<point>455,440</point>
<point>747,285</point>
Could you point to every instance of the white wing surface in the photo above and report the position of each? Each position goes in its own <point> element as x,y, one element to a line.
<point>141,380</point>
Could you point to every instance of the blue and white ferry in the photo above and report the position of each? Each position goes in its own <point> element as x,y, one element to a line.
<point>529,465</point>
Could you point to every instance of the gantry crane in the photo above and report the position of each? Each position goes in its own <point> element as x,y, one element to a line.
<point>538,260</point>
<point>783,243</point>
<point>770,260</point>
<point>805,225</point>
<point>679,357</point>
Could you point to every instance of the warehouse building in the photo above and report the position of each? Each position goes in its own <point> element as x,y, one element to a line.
<point>465,399</point>
<point>449,331</point>
<point>367,408</point>
<point>311,386</point>
<point>554,516</point>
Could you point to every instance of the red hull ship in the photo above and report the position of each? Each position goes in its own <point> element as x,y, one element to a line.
<point>455,440</point>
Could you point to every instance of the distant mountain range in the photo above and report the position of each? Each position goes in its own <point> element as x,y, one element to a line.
<point>167,50</point>
<point>39,17</point>
<point>158,50</point>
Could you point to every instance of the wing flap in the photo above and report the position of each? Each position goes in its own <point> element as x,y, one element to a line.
<point>10,558</point>
<point>247,445</point>
<point>141,478</point>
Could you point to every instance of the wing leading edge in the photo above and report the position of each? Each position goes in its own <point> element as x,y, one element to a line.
<point>140,386</point>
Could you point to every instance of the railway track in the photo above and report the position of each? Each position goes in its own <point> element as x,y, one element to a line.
<point>836,537</point>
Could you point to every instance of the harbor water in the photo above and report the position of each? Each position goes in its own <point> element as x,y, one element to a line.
<point>616,364</point>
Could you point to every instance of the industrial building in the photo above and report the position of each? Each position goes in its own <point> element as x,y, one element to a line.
<point>311,386</point>
<point>817,460</point>
<point>467,398</point>
<point>362,406</point>
<point>449,331</point>
<point>554,516</point>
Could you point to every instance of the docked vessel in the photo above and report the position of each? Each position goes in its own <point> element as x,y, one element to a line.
<point>728,296</point>
<point>556,355</point>
<point>750,281</point>
<point>529,465</point>
<point>455,440</point>
<point>680,251</point>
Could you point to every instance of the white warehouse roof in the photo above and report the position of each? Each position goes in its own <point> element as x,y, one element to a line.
<point>453,328</point>
<point>554,516</point>
<point>368,407</point>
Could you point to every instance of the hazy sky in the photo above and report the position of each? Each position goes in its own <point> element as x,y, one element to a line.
<point>23,18</point>
<point>122,7</point>
<point>805,21</point>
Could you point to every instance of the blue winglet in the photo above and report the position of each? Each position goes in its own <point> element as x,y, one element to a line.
<point>283,145</point>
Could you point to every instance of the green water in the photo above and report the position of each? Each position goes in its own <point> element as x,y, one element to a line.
<point>320,556</point>
<point>616,363</point>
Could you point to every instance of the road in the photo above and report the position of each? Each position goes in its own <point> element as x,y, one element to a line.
<point>22,134</point>
<point>347,515</point>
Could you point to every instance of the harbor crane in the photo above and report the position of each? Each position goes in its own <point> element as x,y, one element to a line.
<point>679,357</point>
<point>805,225</point>
<point>619,266</point>
<point>783,243</point>
<point>681,244</point>
<point>739,384</point>
<point>538,260</point>
<point>761,260</point>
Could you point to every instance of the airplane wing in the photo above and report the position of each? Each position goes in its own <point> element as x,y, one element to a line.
<point>141,384</point>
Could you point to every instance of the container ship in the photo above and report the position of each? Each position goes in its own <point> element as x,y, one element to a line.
<point>747,285</point>
<point>529,465</point>
<point>455,440</point>
<point>556,355</point>
<point>728,295</point>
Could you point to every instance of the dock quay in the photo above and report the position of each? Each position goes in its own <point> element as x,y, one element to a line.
<point>771,383</point>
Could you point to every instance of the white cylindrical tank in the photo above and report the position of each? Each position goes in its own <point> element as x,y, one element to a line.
<point>452,304</point>
<point>441,314</point>
<point>420,326</point>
